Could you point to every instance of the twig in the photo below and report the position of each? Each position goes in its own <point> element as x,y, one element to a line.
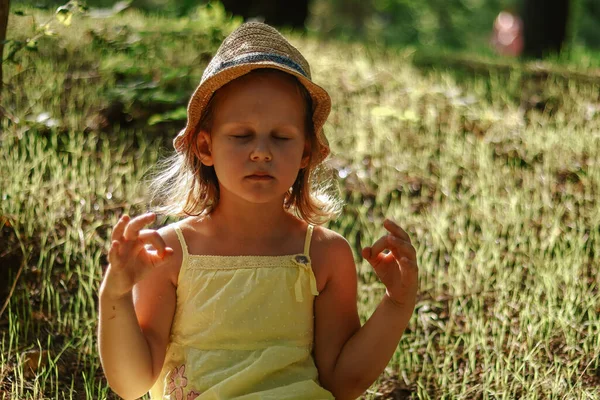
<point>3,113</point>
<point>23,262</point>
<point>14,285</point>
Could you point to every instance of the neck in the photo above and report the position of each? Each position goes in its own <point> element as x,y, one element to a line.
<point>240,219</point>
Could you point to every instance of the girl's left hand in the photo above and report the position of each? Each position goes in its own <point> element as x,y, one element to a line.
<point>397,270</point>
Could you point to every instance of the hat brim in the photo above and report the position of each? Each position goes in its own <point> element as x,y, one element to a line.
<point>205,91</point>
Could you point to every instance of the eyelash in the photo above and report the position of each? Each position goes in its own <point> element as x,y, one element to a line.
<point>247,136</point>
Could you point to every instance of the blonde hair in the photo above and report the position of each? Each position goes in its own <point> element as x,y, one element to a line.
<point>182,186</point>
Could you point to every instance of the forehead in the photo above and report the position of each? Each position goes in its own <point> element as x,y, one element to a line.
<point>265,75</point>
<point>260,90</point>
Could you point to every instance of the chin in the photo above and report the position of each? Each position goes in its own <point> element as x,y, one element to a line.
<point>258,194</point>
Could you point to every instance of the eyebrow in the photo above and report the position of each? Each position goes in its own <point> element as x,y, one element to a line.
<point>288,127</point>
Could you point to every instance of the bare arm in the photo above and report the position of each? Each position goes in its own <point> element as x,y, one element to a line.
<point>366,354</point>
<point>137,303</point>
<point>124,351</point>
<point>350,357</point>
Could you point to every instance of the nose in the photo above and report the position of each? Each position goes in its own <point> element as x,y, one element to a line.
<point>261,151</point>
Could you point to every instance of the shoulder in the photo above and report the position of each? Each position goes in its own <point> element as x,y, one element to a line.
<point>332,253</point>
<point>171,238</point>
<point>325,240</point>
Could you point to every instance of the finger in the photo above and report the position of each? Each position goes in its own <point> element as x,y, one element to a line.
<point>113,251</point>
<point>375,255</point>
<point>405,262</point>
<point>153,237</point>
<point>395,229</point>
<point>379,245</point>
<point>117,233</point>
<point>133,228</point>
<point>408,268</point>
<point>366,253</point>
<point>401,248</point>
<point>155,259</point>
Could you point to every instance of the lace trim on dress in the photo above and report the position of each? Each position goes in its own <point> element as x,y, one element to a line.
<point>217,262</point>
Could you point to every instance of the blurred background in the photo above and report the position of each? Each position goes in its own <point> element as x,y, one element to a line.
<point>528,28</point>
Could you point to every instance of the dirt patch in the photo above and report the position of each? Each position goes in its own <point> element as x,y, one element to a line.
<point>11,258</point>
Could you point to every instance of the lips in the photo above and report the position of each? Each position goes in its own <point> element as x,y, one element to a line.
<point>259,175</point>
<point>263,176</point>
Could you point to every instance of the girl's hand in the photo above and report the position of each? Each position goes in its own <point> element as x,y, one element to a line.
<point>130,260</point>
<point>397,270</point>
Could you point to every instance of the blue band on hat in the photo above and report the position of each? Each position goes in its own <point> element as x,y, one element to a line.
<point>252,58</point>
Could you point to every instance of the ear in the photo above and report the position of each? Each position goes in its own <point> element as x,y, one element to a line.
<point>305,155</point>
<point>204,146</point>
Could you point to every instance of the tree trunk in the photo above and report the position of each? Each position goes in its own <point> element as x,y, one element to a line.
<point>4,6</point>
<point>544,26</point>
<point>274,12</point>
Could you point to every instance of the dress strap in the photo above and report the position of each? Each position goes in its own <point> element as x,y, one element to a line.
<point>184,248</point>
<point>303,261</point>
<point>305,268</point>
<point>309,231</point>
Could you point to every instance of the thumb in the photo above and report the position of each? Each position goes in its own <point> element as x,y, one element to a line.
<point>156,256</point>
<point>373,259</point>
<point>378,261</point>
<point>366,253</point>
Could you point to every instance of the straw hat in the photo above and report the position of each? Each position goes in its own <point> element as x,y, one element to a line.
<point>255,45</point>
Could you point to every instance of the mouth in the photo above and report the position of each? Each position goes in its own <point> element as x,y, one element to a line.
<point>260,177</point>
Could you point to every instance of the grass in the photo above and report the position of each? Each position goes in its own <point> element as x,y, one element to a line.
<point>495,176</point>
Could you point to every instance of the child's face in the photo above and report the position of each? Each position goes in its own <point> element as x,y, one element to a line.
<point>257,128</point>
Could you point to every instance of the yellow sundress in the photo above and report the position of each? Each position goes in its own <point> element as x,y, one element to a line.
<point>242,329</point>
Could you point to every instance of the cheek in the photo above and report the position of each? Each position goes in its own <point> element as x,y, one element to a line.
<point>229,151</point>
<point>300,153</point>
<point>226,158</point>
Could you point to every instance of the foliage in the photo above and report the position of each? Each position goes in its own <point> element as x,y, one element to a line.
<point>457,24</point>
<point>63,15</point>
<point>454,23</point>
<point>587,18</point>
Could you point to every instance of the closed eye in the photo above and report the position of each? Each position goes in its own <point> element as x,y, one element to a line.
<point>248,136</point>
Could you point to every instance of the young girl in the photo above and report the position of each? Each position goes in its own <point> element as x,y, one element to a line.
<point>248,297</point>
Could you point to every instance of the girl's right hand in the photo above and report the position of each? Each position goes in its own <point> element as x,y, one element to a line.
<point>130,260</point>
